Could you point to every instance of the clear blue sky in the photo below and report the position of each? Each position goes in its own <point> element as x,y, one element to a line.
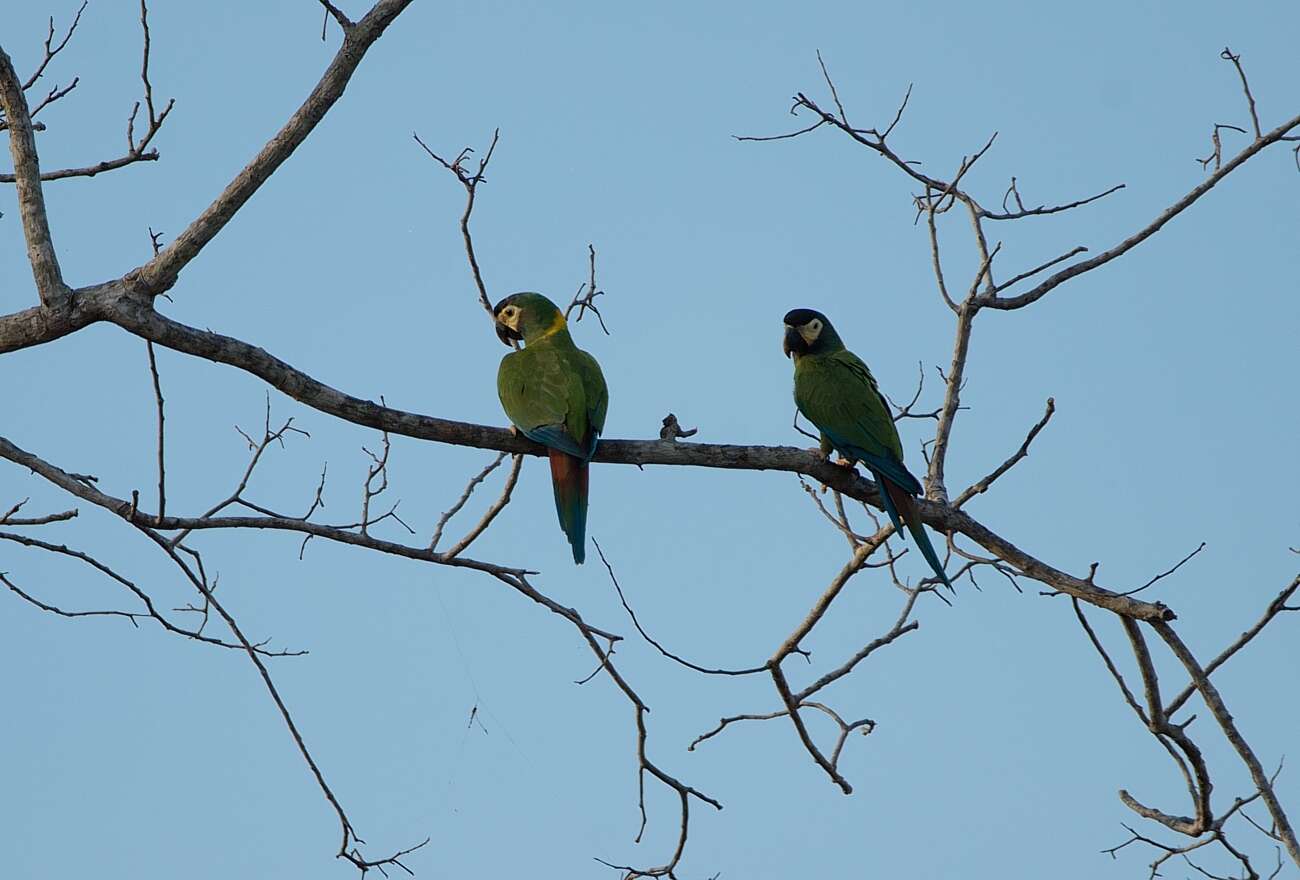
<point>1001,741</point>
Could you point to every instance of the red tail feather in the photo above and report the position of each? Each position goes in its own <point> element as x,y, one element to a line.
<point>569,480</point>
<point>902,501</point>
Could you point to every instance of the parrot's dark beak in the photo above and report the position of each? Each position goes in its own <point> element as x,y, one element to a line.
<point>793,342</point>
<point>507,335</point>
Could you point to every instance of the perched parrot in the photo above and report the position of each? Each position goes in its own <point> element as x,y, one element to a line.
<point>836,392</point>
<point>554,393</point>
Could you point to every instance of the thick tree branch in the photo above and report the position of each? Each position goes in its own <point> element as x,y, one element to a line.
<point>1159,725</point>
<point>129,304</point>
<point>160,273</point>
<point>1215,704</point>
<point>41,324</point>
<point>31,200</point>
<point>934,480</point>
<point>134,313</point>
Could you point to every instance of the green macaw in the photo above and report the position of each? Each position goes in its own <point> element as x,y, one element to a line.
<point>836,392</point>
<point>554,393</point>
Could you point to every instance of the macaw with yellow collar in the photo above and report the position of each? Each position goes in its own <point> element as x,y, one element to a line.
<point>835,391</point>
<point>554,393</point>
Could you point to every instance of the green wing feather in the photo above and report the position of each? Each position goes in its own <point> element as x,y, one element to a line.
<point>839,395</point>
<point>553,384</point>
<point>594,390</point>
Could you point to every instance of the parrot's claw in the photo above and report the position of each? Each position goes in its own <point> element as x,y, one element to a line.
<point>838,462</point>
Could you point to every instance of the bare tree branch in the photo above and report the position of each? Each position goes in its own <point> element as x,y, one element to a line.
<point>983,485</point>
<point>658,647</point>
<point>52,50</point>
<point>53,292</point>
<point>585,298</point>
<point>1042,210</point>
<point>1276,607</point>
<point>1227,55</point>
<point>9,519</point>
<point>151,611</point>
<point>159,274</point>
<point>1165,574</point>
<point>337,14</point>
<point>1044,287</point>
<point>158,399</point>
<point>129,303</point>
<point>470,182</point>
<point>491,513</point>
<point>1215,704</point>
<point>464,498</point>
<point>136,151</point>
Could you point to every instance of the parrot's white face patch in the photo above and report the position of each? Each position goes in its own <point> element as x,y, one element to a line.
<point>811,331</point>
<point>510,317</point>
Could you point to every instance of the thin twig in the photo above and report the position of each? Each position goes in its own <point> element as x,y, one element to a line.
<point>983,485</point>
<point>1275,607</point>
<point>464,497</point>
<point>658,647</point>
<point>1165,574</point>
<point>470,182</point>
<point>585,298</point>
<point>491,513</point>
<point>158,399</point>
<point>1227,55</point>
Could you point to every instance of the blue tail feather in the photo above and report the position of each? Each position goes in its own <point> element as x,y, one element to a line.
<point>557,437</point>
<point>927,550</point>
<point>898,501</point>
